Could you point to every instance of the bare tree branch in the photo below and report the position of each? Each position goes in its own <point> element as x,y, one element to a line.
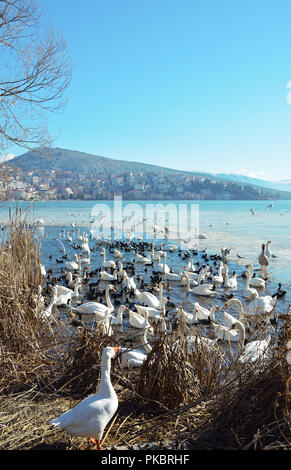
<point>35,71</point>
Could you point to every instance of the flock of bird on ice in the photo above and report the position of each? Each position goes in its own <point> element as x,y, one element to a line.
<point>149,313</point>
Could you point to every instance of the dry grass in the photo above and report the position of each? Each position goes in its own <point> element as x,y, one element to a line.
<point>203,397</point>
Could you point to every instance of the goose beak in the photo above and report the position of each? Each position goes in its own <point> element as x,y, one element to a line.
<point>116,349</point>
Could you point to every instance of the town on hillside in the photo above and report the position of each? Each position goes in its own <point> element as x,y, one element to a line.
<point>17,184</point>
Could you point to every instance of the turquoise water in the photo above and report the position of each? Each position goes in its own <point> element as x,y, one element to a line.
<point>225,223</point>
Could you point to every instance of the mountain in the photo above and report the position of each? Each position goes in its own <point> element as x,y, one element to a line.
<point>80,162</point>
<point>205,185</point>
<point>284,185</point>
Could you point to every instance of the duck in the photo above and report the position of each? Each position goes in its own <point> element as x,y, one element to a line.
<point>90,417</point>
<point>96,308</point>
<point>252,351</point>
<point>280,294</point>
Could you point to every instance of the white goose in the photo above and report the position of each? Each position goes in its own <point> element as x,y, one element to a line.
<point>135,357</point>
<point>90,417</point>
<point>96,308</point>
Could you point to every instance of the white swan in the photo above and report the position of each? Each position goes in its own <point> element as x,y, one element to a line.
<point>118,320</point>
<point>189,282</point>
<point>201,289</point>
<point>255,281</point>
<point>223,332</point>
<point>108,263</point>
<point>137,320</point>
<point>254,350</point>
<point>154,256</point>
<point>267,249</point>
<point>117,253</point>
<point>142,259</point>
<point>202,313</point>
<point>191,266</point>
<point>218,279</point>
<point>230,282</point>
<point>261,304</point>
<point>135,357</point>
<point>152,311</point>
<point>129,282</point>
<point>248,291</point>
<point>96,308</point>
<point>46,312</point>
<point>163,268</point>
<point>105,276</point>
<point>90,417</point>
<point>174,276</point>
<point>74,265</point>
<point>149,299</point>
<point>188,317</point>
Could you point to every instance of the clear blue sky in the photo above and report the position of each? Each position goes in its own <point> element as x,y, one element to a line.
<point>196,85</point>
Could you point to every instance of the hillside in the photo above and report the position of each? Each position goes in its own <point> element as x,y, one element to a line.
<point>80,162</point>
<point>96,177</point>
<point>284,185</point>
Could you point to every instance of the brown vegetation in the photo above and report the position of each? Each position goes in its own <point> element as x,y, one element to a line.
<point>203,398</point>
